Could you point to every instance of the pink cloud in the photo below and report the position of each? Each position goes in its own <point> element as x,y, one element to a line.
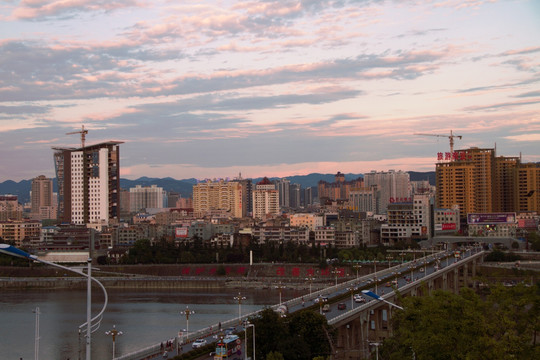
<point>32,9</point>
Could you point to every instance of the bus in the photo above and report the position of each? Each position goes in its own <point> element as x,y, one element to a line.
<point>229,347</point>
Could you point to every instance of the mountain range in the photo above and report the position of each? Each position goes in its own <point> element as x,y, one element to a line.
<point>185,186</point>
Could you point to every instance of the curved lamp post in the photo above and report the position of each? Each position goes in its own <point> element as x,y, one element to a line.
<point>246,325</point>
<point>114,333</point>
<point>92,324</point>
<point>379,298</point>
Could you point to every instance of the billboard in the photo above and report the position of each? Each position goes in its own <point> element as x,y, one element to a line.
<point>527,224</point>
<point>445,227</point>
<point>181,232</point>
<point>491,218</point>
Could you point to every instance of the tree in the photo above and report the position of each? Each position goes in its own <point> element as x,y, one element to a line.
<point>274,356</point>
<point>271,332</point>
<point>300,336</point>
<point>310,326</point>
<point>464,326</point>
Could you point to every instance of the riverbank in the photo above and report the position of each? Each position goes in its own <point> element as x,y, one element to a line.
<point>193,276</point>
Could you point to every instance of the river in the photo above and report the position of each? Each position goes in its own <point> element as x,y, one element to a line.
<point>145,318</point>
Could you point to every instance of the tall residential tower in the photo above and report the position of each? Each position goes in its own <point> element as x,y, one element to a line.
<point>88,183</point>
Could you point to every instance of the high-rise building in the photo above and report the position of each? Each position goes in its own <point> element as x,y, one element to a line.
<point>247,195</point>
<point>295,196</point>
<point>218,195</point>
<point>143,197</point>
<point>42,205</point>
<point>363,199</point>
<point>88,183</point>
<point>478,181</point>
<point>527,191</point>
<point>284,190</point>
<point>10,209</point>
<point>408,220</point>
<point>339,189</point>
<point>308,196</point>
<point>393,186</point>
<point>265,199</point>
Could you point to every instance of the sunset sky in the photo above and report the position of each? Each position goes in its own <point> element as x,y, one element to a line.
<point>209,89</point>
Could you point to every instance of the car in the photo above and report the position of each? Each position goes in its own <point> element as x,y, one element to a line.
<point>230,331</point>
<point>359,299</point>
<point>341,306</point>
<point>198,343</point>
<point>320,298</point>
<point>326,308</point>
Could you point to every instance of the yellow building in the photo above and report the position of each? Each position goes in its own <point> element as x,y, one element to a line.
<point>19,230</point>
<point>218,195</point>
<point>527,191</point>
<point>477,181</point>
<point>308,220</point>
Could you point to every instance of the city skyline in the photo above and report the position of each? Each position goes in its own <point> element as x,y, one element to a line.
<point>279,88</point>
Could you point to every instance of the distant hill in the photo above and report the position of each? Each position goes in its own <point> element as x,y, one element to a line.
<point>185,186</point>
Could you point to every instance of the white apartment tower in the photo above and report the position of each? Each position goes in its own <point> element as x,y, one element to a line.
<point>392,186</point>
<point>88,183</point>
<point>146,197</point>
<point>265,199</point>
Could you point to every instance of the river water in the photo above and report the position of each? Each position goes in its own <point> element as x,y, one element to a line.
<point>144,317</point>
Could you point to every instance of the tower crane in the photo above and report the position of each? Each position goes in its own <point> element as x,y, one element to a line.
<point>451,137</point>
<point>83,133</point>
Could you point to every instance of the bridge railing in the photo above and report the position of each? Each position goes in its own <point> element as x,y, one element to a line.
<point>404,289</point>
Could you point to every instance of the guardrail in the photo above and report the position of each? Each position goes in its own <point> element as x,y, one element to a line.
<point>404,288</point>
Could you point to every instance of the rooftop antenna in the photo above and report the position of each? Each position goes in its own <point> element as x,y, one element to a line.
<point>83,133</point>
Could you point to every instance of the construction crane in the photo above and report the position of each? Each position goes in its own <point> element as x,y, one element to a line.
<point>451,137</point>
<point>83,133</point>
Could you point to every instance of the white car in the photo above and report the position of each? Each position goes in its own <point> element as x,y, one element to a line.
<point>198,343</point>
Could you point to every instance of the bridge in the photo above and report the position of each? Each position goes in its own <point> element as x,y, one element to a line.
<point>360,328</point>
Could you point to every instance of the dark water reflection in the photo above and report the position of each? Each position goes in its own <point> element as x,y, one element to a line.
<point>145,318</point>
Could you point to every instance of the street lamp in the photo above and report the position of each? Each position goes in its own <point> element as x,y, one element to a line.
<point>187,312</point>
<point>376,344</point>
<point>280,287</point>
<point>246,325</point>
<point>240,298</point>
<point>352,290</point>
<point>114,333</point>
<point>336,272</point>
<point>321,300</point>
<point>357,266</point>
<point>310,279</point>
<point>91,324</point>
<point>36,340</point>
<point>389,258</point>
<point>379,298</point>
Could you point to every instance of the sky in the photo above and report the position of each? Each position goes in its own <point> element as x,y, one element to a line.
<point>214,89</point>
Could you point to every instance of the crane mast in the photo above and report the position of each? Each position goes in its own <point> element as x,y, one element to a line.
<point>450,137</point>
<point>83,133</point>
